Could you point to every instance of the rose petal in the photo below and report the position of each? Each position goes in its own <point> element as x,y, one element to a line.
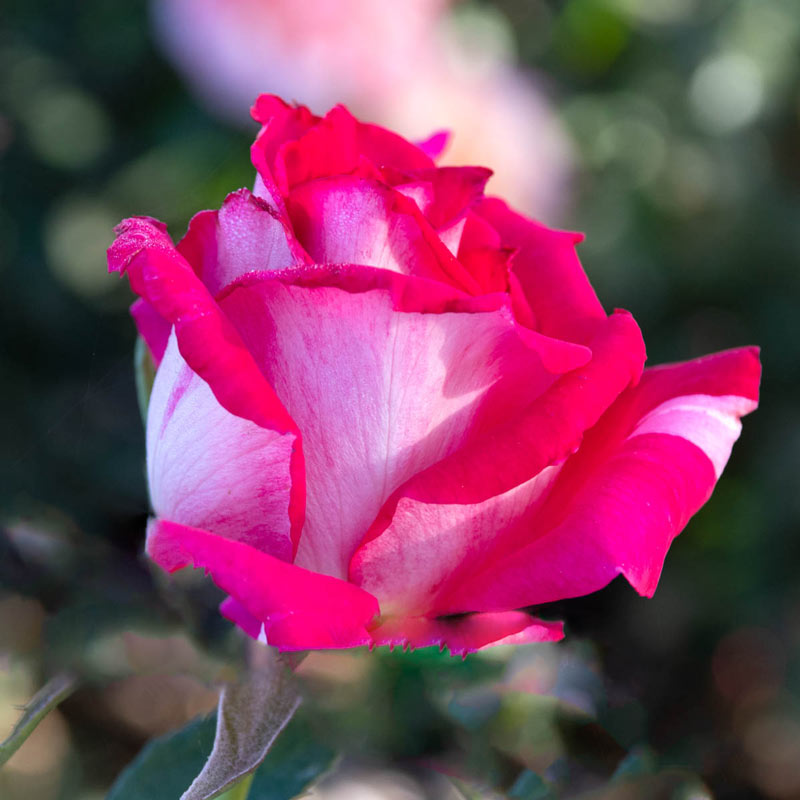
<point>429,545</point>
<point>294,146</point>
<point>562,299</point>
<point>348,220</point>
<point>546,430</point>
<point>210,469</point>
<point>435,144</point>
<point>449,518</point>
<point>453,191</point>
<point>206,339</point>
<point>280,123</point>
<point>631,488</point>
<point>246,234</point>
<point>298,608</point>
<point>461,634</point>
<point>380,392</point>
<point>465,634</point>
<point>152,327</point>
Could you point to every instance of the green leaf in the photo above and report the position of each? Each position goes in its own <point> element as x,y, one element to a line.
<point>530,786</point>
<point>670,783</point>
<point>639,762</point>
<point>250,715</point>
<point>468,791</point>
<point>41,704</point>
<point>225,749</point>
<point>167,765</point>
<point>240,790</point>
<point>292,764</point>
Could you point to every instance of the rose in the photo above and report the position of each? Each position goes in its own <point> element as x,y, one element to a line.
<point>391,410</point>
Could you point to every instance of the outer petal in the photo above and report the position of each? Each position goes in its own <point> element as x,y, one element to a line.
<point>211,469</point>
<point>482,252</point>
<point>299,609</point>
<point>349,220</point>
<point>461,634</point>
<point>562,299</point>
<point>429,545</point>
<point>339,144</point>
<point>246,234</point>
<point>448,519</point>
<point>453,191</point>
<point>288,121</point>
<point>545,431</point>
<point>294,146</point>
<point>465,634</point>
<point>381,393</point>
<point>617,505</point>
<point>435,145</point>
<point>280,123</point>
<point>444,195</point>
<point>386,148</point>
<point>206,339</point>
<point>152,327</point>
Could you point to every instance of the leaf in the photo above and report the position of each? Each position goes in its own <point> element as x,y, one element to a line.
<point>530,786</point>
<point>670,783</point>
<point>639,762</point>
<point>41,704</point>
<point>468,791</point>
<point>166,765</point>
<point>250,715</point>
<point>292,764</point>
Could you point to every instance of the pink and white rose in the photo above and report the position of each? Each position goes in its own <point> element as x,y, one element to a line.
<point>391,410</point>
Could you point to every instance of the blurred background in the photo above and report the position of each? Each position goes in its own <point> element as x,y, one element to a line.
<point>667,130</point>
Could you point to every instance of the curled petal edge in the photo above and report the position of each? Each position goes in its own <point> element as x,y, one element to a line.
<point>207,339</point>
<point>292,608</point>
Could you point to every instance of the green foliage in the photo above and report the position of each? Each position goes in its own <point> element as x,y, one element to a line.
<point>251,714</point>
<point>530,786</point>
<point>166,766</point>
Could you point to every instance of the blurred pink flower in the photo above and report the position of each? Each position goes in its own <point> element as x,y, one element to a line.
<point>401,64</point>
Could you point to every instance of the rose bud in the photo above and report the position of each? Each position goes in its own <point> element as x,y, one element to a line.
<point>390,410</point>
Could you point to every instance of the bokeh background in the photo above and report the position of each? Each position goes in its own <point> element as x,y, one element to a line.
<point>667,130</point>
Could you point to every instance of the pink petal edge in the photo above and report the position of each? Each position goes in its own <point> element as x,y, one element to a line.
<point>207,340</point>
<point>299,609</point>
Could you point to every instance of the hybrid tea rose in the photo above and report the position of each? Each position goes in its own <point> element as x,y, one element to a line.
<point>390,410</point>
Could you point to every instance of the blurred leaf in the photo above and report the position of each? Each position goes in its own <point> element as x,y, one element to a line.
<point>530,786</point>
<point>637,763</point>
<point>474,706</point>
<point>251,714</point>
<point>590,36</point>
<point>166,765</point>
<point>42,703</point>
<point>671,784</point>
<point>469,791</point>
<point>85,636</point>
